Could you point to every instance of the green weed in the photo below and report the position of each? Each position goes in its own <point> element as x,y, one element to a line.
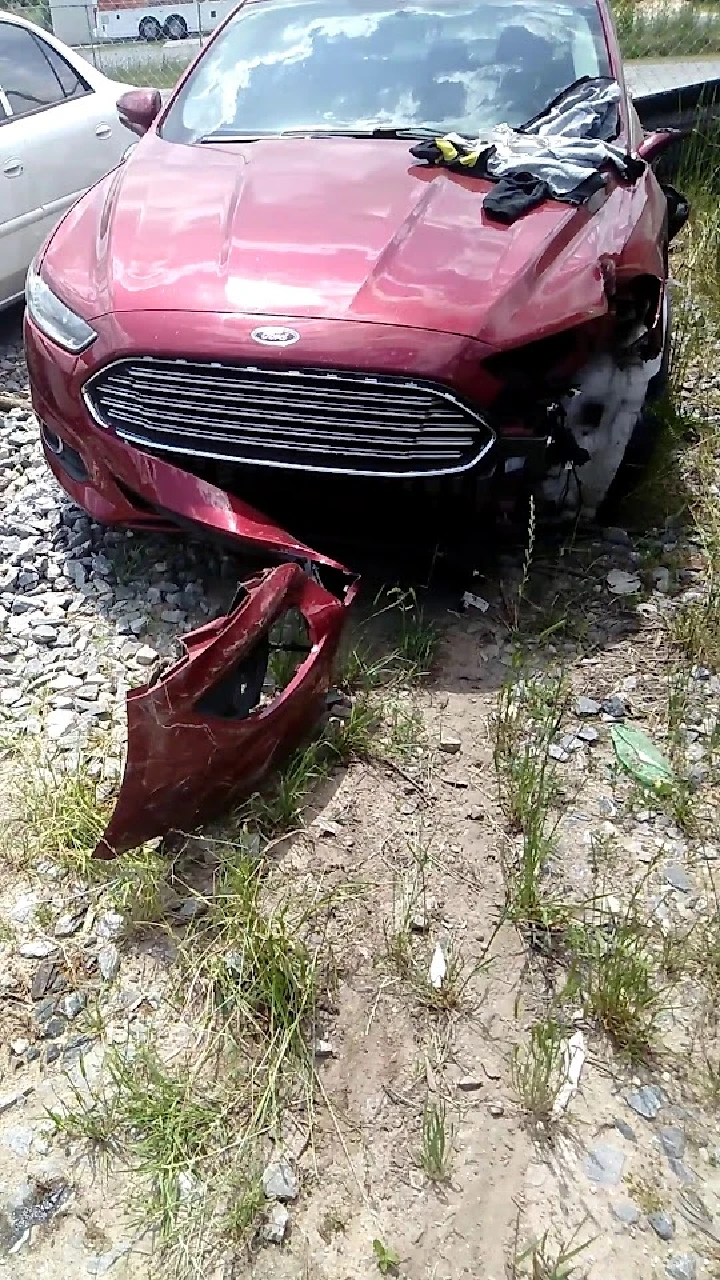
<point>436,1149</point>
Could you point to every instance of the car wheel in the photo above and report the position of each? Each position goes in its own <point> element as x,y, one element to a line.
<point>612,419</point>
<point>150,29</point>
<point>176,27</point>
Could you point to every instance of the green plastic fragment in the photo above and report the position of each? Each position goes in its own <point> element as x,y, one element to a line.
<point>639,756</point>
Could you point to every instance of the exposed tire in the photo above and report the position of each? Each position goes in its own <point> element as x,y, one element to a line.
<point>175,27</point>
<point>150,29</point>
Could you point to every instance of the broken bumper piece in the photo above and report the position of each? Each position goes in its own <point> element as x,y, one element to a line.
<point>206,732</point>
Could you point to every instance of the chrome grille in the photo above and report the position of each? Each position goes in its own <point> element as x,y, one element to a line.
<point>311,419</point>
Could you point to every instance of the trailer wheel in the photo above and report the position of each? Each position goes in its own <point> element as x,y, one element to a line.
<point>176,27</point>
<point>150,29</point>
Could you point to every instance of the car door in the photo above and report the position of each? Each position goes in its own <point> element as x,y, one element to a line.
<point>65,133</point>
<point>16,208</point>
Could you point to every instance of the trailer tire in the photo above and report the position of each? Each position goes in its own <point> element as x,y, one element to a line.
<point>175,27</point>
<point>150,29</point>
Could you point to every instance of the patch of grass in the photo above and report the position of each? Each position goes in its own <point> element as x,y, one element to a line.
<point>436,1149</point>
<point>387,1260</point>
<point>537,1069</point>
<point>404,728</point>
<point>249,961</point>
<point>60,813</point>
<point>614,974</point>
<point>666,31</point>
<point>529,713</point>
<point>172,1123</point>
<point>151,72</point>
<point>644,1192</point>
<point>280,807</point>
<point>541,1261</point>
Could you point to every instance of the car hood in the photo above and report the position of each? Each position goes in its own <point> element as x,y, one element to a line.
<point>331,228</point>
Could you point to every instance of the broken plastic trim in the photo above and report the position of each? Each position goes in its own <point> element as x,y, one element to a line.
<point>199,738</point>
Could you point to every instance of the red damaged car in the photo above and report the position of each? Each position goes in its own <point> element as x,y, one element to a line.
<point>370,253</point>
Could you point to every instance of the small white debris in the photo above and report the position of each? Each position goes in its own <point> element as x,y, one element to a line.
<point>108,961</point>
<point>496,1109</point>
<point>573,1051</point>
<point>621,583</point>
<point>324,1049</point>
<point>438,968</point>
<point>110,925</point>
<point>37,949</point>
<point>471,601</point>
<point>449,742</point>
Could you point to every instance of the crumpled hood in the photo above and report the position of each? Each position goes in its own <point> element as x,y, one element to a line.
<point>319,228</point>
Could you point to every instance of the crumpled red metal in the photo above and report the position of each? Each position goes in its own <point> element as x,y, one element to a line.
<point>197,738</point>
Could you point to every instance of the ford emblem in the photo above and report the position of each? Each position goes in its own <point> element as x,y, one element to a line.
<point>275,336</point>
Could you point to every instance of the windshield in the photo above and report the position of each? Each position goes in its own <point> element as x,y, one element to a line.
<point>355,65</point>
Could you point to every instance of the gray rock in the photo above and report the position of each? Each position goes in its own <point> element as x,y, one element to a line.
<point>108,961</point>
<point>682,1266</point>
<point>102,1262</point>
<point>682,1172</point>
<point>662,1224</point>
<point>678,878</point>
<point>672,1141</point>
<point>42,979</point>
<point>614,707</point>
<point>604,1164</point>
<point>54,1027</point>
<point>624,1128</point>
<point>618,537</point>
<point>146,656</point>
<point>647,1101</point>
<point>276,1225</point>
<point>588,733</point>
<point>73,1003</point>
<point>19,1141</point>
<point>627,1212</point>
<point>57,723</point>
<point>556,752</point>
<point>587,707</point>
<point>280,1182</point>
<point>69,923</point>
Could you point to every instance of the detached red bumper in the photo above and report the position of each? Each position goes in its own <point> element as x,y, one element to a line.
<point>198,739</point>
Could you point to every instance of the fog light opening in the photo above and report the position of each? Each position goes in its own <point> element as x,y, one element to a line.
<point>53,442</point>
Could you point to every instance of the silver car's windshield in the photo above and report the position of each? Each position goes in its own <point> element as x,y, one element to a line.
<point>324,65</point>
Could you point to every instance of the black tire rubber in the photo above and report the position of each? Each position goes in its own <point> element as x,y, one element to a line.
<point>149,28</point>
<point>175,27</point>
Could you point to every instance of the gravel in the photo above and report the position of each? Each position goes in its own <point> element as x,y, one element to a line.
<point>77,602</point>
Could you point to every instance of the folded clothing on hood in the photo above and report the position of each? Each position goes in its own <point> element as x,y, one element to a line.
<point>558,155</point>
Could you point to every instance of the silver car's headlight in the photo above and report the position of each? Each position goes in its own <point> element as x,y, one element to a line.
<point>54,318</point>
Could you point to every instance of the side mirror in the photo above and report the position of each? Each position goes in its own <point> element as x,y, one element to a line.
<point>138,108</point>
<point>657,143</point>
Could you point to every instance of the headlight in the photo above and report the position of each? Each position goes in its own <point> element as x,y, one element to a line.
<point>54,318</point>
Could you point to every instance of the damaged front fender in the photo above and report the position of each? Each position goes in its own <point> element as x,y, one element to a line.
<point>207,732</point>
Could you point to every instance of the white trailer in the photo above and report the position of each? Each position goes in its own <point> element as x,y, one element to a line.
<point>136,19</point>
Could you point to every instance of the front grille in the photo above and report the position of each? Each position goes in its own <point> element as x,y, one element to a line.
<point>309,419</point>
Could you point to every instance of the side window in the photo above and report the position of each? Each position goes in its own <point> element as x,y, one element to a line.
<point>28,79</point>
<point>73,85</point>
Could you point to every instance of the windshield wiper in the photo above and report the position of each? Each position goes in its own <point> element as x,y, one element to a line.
<point>376,131</point>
